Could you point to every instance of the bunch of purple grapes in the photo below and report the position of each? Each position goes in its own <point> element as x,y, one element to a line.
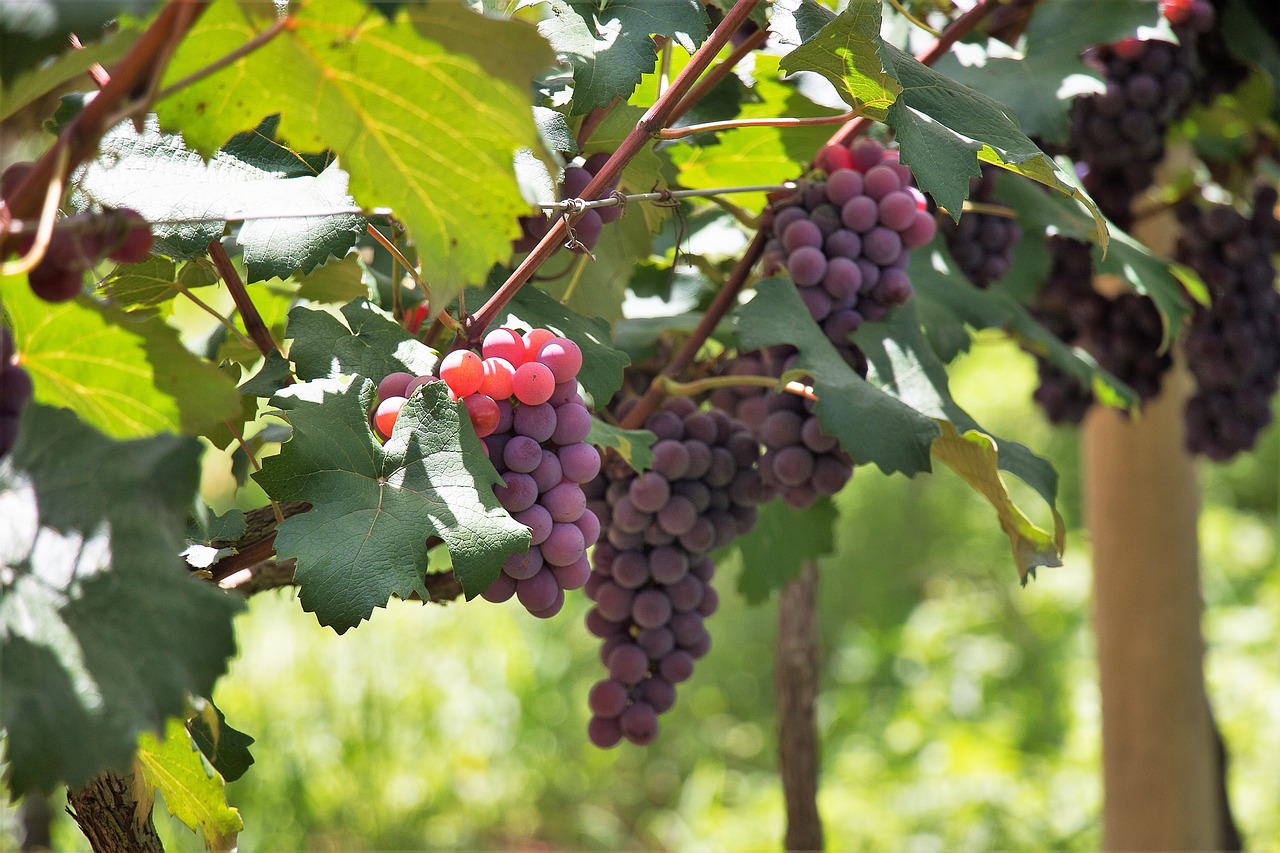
<point>651,582</point>
<point>845,240</point>
<point>981,243</point>
<point>1118,135</point>
<point>1123,333</point>
<point>1232,346</point>
<point>15,391</point>
<point>586,228</point>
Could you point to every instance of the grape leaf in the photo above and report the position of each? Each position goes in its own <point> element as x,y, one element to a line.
<point>102,632</point>
<point>270,378</point>
<point>157,175</point>
<point>193,793</point>
<point>338,280</point>
<point>1050,61</point>
<point>609,44</point>
<point>374,506</point>
<point>1163,281</point>
<point>145,284</point>
<point>871,425</point>
<point>635,446</point>
<point>943,128</point>
<point>370,343</point>
<point>226,748</point>
<point>125,374</point>
<point>596,286</point>
<point>782,541</point>
<point>938,281</point>
<point>426,113</point>
<point>904,365</point>
<point>602,364</point>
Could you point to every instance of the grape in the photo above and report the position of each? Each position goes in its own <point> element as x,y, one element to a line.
<point>807,266</point>
<point>522,454</point>
<point>539,522</point>
<point>802,233</point>
<point>506,344</point>
<point>539,591</point>
<point>565,502</point>
<point>533,383</point>
<point>677,666</point>
<point>573,576</point>
<point>586,231</point>
<point>563,357</point>
<point>57,279</point>
<point>394,385</point>
<point>564,546</point>
<point>135,240</point>
<point>13,175</point>
<point>534,339</point>
<point>387,413</point>
<point>518,492</point>
<point>462,371</point>
<point>628,663</point>
<point>980,243</point>
<point>580,463</point>
<point>607,698</point>
<point>639,723</point>
<point>536,421</point>
<point>548,474</point>
<point>604,733</point>
<point>649,492</point>
<point>833,157</point>
<point>502,589</point>
<point>15,391</point>
<point>523,564</point>
<point>573,424</point>
<point>497,379</point>
<point>483,413</point>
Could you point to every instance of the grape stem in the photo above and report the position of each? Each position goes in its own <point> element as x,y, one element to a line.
<point>712,126</point>
<point>253,324</point>
<point>664,196</point>
<point>443,317</point>
<point>674,388</point>
<point>653,120</point>
<point>204,306</point>
<point>897,4</point>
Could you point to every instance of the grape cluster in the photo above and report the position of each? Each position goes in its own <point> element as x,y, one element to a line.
<point>521,396</point>
<point>981,243</point>
<point>78,242</point>
<point>651,582</point>
<point>587,227</point>
<point>1118,135</point>
<point>1124,333</point>
<point>15,391</point>
<point>1233,345</point>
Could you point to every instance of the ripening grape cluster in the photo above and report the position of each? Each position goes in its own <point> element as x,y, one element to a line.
<point>79,242</point>
<point>1118,135</point>
<point>586,228</point>
<point>1123,333</point>
<point>981,243</point>
<point>521,395</point>
<point>15,391</point>
<point>1233,345</point>
<point>651,581</point>
<point>845,242</point>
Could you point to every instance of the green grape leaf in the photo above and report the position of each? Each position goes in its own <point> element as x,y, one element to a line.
<point>1050,61</point>
<point>602,364</point>
<point>782,541</point>
<point>193,793</point>
<point>103,633</point>
<point>253,175</point>
<point>426,113</point>
<point>872,426</point>
<point>939,282</point>
<point>145,284</point>
<point>903,365</point>
<point>125,374</point>
<point>337,281</point>
<point>270,378</point>
<point>845,52</point>
<point>1163,281</point>
<point>635,446</point>
<point>226,748</point>
<point>369,343</point>
<point>374,506</point>
<point>65,68</point>
<point>609,44</point>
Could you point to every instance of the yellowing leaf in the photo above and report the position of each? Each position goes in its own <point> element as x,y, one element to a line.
<point>193,792</point>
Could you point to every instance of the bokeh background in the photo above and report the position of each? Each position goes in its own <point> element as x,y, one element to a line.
<point>959,711</point>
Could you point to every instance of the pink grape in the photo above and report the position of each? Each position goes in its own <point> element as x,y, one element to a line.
<point>533,383</point>
<point>563,357</point>
<point>462,371</point>
<point>506,344</point>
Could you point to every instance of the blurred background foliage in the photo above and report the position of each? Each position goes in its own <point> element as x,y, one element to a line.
<point>958,712</point>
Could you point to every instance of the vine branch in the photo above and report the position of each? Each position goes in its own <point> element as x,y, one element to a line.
<point>253,324</point>
<point>708,127</point>
<point>654,119</point>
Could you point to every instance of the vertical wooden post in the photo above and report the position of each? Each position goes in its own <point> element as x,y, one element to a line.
<point>796,685</point>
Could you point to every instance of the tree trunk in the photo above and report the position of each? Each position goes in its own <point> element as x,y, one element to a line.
<point>110,817</point>
<point>796,685</point>
<point>1160,771</point>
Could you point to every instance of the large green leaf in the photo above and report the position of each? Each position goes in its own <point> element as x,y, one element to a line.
<point>369,343</point>
<point>943,128</point>
<point>873,426</point>
<point>253,175</point>
<point>609,44</point>
<point>193,792</point>
<point>782,541</point>
<point>374,506</point>
<point>103,634</point>
<point>125,374</point>
<point>1048,72</point>
<point>602,364</point>
<point>426,114</point>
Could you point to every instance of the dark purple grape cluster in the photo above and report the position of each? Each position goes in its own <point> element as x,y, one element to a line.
<point>800,461</point>
<point>1123,333</point>
<point>1117,136</point>
<point>587,227</point>
<point>1232,346</point>
<point>845,240</point>
<point>15,391</point>
<point>651,581</point>
<point>981,243</point>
